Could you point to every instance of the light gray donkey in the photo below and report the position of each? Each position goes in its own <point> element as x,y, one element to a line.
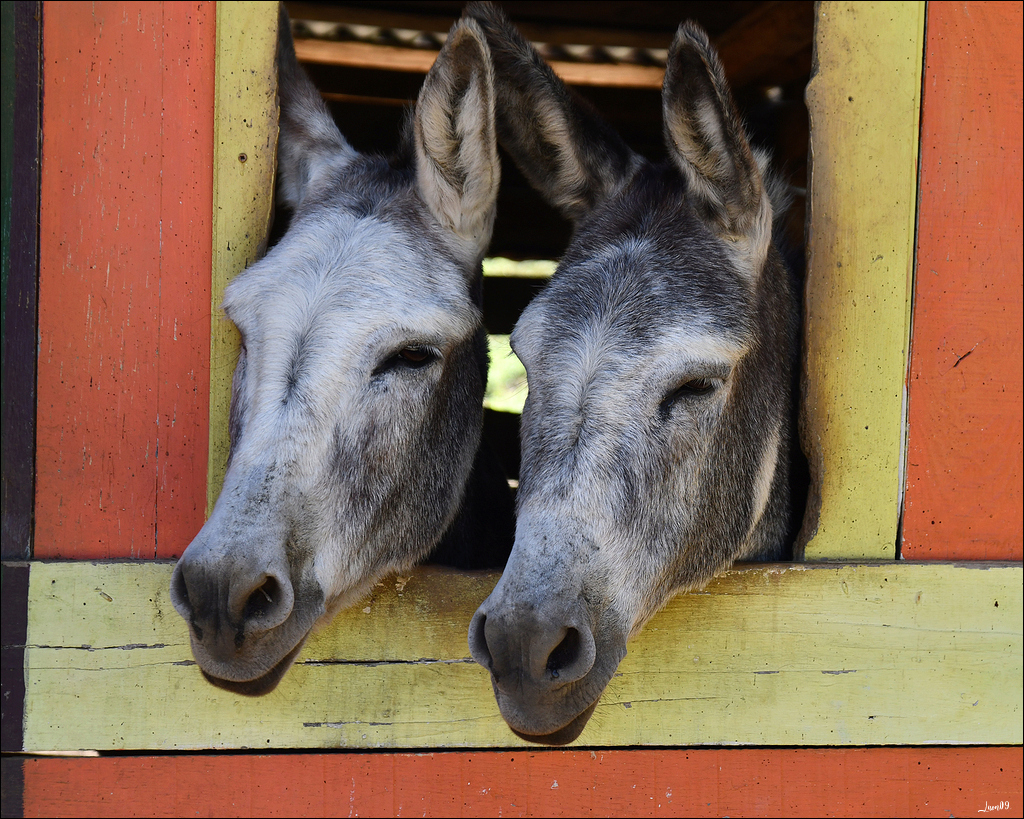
<point>656,435</point>
<point>356,406</point>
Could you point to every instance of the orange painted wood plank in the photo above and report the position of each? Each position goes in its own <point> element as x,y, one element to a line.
<point>187,253</point>
<point>735,782</point>
<point>124,293</point>
<point>964,474</point>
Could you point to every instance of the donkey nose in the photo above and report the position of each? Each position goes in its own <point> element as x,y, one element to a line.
<point>226,604</point>
<point>544,652</point>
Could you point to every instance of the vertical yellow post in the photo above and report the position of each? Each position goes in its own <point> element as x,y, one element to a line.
<point>864,104</point>
<point>245,158</point>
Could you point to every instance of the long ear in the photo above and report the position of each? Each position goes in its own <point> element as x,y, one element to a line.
<point>563,147</point>
<point>457,166</point>
<point>309,140</point>
<point>707,142</point>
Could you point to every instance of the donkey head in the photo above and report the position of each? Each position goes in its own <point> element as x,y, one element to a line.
<point>655,435</point>
<point>356,406</point>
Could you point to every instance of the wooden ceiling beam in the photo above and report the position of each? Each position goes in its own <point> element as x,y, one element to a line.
<point>396,58</point>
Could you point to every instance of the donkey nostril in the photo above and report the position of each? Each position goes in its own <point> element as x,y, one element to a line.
<point>179,593</point>
<point>478,642</point>
<point>262,601</point>
<point>565,653</point>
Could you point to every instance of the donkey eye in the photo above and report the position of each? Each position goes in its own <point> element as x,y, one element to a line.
<point>690,389</point>
<point>414,357</point>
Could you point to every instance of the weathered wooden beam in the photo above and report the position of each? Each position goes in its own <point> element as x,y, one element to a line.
<point>245,161</point>
<point>864,104</point>
<point>964,449</point>
<point>782,654</point>
<point>658,783</point>
<point>20,80</point>
<point>124,259</point>
<point>396,58</point>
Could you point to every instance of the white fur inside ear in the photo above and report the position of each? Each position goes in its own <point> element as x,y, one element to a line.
<point>750,248</point>
<point>457,165</point>
<point>724,176</point>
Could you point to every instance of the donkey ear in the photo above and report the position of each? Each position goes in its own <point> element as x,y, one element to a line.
<point>309,140</point>
<point>457,167</point>
<point>707,142</point>
<point>562,146</point>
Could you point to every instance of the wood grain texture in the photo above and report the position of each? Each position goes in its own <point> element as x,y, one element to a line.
<point>124,318</point>
<point>245,160</point>
<point>770,44</point>
<point>964,472</point>
<point>736,782</point>
<point>418,61</point>
<point>13,629</point>
<point>19,215</point>
<point>12,786</point>
<point>886,654</point>
<point>863,102</point>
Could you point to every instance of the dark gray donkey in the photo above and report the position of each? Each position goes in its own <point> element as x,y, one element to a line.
<point>356,407</point>
<point>656,434</point>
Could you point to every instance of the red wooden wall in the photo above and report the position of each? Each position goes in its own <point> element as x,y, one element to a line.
<point>124,278</point>
<point>710,782</point>
<point>964,472</point>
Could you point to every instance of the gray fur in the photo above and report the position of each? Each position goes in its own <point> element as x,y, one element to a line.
<point>656,433</point>
<point>356,406</point>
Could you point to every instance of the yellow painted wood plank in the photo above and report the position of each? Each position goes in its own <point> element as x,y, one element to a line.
<point>245,160</point>
<point>781,654</point>
<point>864,102</point>
<point>501,267</point>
